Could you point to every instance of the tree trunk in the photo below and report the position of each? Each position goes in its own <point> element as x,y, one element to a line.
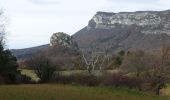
<point>100,68</point>
<point>89,69</point>
<point>93,67</point>
<point>157,91</point>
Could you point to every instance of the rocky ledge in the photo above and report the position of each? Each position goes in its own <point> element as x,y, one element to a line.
<point>151,22</point>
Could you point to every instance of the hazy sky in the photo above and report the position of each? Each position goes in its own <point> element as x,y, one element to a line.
<point>32,22</point>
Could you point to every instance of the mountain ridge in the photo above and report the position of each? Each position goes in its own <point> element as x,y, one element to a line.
<point>124,31</point>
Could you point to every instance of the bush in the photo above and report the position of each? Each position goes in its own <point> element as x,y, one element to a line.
<point>43,67</point>
<point>115,80</point>
<point>78,79</point>
<point>118,80</point>
<point>87,80</point>
<point>63,79</point>
<point>25,79</point>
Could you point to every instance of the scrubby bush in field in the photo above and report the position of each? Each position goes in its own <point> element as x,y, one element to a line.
<point>118,80</point>
<point>88,79</point>
<point>42,67</point>
<point>78,79</point>
<point>25,79</point>
<point>63,79</point>
<point>153,68</point>
<point>136,62</point>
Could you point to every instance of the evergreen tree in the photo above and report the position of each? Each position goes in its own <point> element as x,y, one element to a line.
<point>8,66</point>
<point>8,63</point>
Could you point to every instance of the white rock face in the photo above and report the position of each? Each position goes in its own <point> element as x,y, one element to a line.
<point>152,22</point>
<point>62,39</point>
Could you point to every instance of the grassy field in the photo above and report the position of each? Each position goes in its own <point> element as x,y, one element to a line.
<point>123,94</point>
<point>68,92</point>
<point>30,73</point>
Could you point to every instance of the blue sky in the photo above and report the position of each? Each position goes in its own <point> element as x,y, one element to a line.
<point>32,22</point>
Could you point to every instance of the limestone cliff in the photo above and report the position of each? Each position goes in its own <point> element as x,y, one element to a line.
<point>152,22</point>
<point>125,30</point>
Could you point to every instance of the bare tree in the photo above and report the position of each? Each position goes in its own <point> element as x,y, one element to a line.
<point>2,27</point>
<point>161,67</point>
<point>92,59</point>
<point>3,22</point>
<point>152,68</point>
<point>136,62</point>
<point>42,66</point>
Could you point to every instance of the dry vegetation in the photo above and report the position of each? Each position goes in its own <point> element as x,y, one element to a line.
<point>68,92</point>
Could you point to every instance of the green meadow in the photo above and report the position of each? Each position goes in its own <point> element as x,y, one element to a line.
<point>69,92</point>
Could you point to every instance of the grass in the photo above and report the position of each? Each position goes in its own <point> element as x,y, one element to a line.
<point>68,92</point>
<point>164,92</point>
<point>30,73</point>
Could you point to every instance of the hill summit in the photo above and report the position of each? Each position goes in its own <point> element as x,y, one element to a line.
<point>125,30</point>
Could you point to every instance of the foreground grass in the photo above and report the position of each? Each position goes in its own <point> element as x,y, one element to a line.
<point>68,92</point>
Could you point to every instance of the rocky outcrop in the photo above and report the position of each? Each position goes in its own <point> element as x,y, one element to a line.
<point>59,42</point>
<point>62,39</point>
<point>151,22</point>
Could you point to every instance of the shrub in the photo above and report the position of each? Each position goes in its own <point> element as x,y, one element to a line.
<point>86,79</point>
<point>78,79</point>
<point>59,78</point>
<point>42,67</point>
<point>118,80</point>
<point>25,79</point>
